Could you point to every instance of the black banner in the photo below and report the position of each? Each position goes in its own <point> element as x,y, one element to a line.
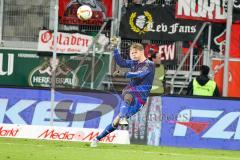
<point>236,11</point>
<point>153,22</point>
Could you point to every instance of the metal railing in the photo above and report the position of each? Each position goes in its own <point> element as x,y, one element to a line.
<point>190,73</point>
<point>189,53</point>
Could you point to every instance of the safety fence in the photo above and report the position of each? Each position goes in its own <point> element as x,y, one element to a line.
<point>21,21</point>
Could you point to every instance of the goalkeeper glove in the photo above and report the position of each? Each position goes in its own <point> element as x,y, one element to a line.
<point>114,41</point>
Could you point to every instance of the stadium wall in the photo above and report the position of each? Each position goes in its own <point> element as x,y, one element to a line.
<point>77,116</point>
<point>195,122</point>
<point>200,122</point>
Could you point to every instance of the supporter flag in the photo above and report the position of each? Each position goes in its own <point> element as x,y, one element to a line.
<point>68,11</point>
<point>233,79</point>
<point>154,22</point>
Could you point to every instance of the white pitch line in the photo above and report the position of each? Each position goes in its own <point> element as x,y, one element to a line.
<point>191,155</point>
<point>157,153</point>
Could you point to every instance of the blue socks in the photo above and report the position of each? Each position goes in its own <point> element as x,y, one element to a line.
<point>110,128</point>
<point>124,111</point>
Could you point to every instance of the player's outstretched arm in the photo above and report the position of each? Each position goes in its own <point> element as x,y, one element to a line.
<point>120,61</point>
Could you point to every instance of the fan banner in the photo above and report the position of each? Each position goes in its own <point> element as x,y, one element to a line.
<point>66,42</point>
<point>152,22</point>
<point>70,43</point>
<point>233,76</point>
<point>68,11</point>
<point>219,39</point>
<point>235,41</point>
<point>166,53</point>
<point>206,10</point>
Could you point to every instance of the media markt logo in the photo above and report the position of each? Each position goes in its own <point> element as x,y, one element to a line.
<point>139,24</point>
<point>65,75</point>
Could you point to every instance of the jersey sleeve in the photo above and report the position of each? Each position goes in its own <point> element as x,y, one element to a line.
<point>122,62</point>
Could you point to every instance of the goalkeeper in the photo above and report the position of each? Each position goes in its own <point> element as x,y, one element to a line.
<point>136,92</point>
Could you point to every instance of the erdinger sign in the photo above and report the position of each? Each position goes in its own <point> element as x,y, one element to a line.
<point>201,123</point>
<point>61,133</point>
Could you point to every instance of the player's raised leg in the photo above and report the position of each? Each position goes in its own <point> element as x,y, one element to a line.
<point>124,110</point>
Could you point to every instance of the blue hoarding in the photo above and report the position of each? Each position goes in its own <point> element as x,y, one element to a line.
<point>71,109</point>
<point>200,123</point>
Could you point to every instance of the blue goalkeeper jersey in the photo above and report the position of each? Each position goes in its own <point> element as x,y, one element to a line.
<point>141,75</point>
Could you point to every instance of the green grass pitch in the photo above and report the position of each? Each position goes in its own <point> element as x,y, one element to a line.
<point>22,149</point>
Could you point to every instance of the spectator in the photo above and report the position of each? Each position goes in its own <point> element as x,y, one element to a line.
<point>202,85</point>
<point>159,76</point>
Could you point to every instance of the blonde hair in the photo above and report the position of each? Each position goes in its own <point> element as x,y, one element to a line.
<point>137,46</point>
